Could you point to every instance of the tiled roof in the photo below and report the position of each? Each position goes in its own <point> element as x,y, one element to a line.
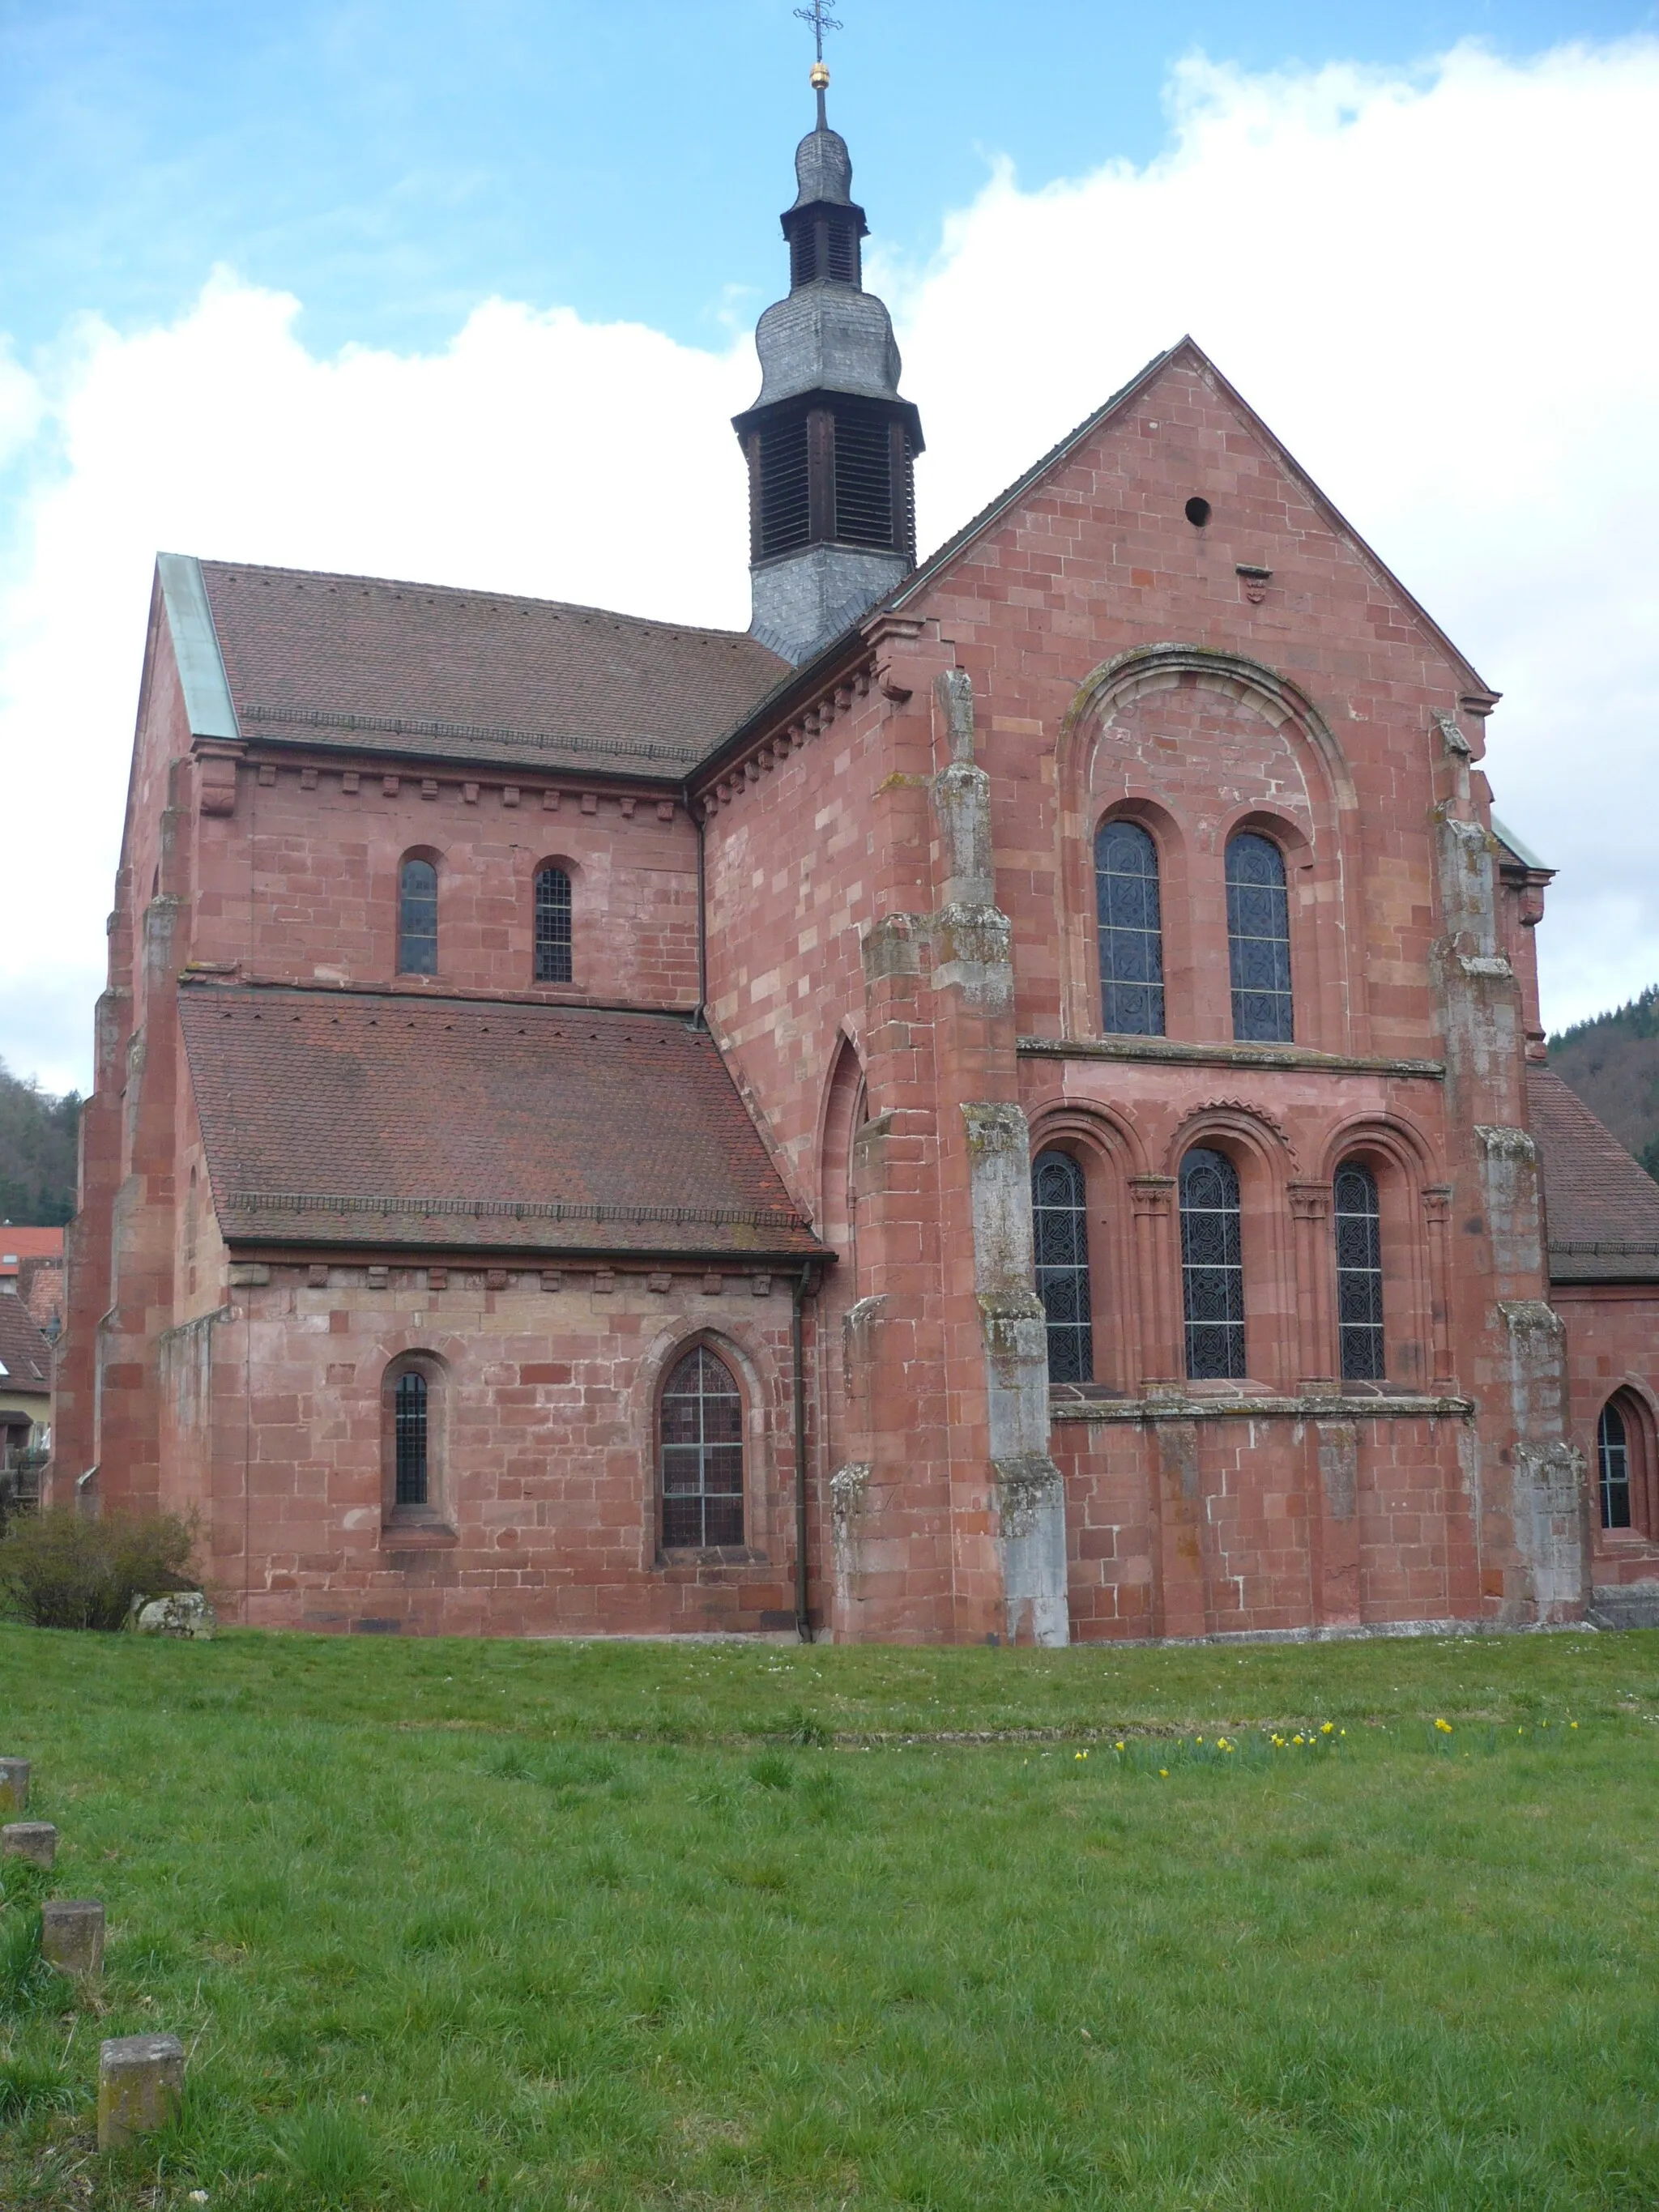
<point>1603,1208</point>
<point>381,1120</point>
<point>422,670</point>
<point>24,1353</point>
<point>17,1245</point>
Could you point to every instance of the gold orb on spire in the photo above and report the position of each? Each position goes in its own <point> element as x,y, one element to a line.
<point>820,76</point>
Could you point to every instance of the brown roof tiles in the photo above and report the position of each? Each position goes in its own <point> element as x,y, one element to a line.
<point>24,1355</point>
<point>333,1117</point>
<point>422,670</point>
<point>1603,1209</point>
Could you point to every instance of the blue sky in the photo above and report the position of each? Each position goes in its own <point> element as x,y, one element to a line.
<point>393,161</point>
<point>412,289</point>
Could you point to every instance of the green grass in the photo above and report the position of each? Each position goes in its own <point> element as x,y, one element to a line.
<point>617,1925</point>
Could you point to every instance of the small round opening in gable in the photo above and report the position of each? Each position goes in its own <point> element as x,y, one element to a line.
<point>1198,511</point>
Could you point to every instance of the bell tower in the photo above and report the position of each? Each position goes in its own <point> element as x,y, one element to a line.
<point>831,447</point>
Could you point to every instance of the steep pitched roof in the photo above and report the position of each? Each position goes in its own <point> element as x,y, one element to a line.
<point>384,1121</point>
<point>18,1245</point>
<point>24,1355</point>
<point>420,670</point>
<point>1603,1208</point>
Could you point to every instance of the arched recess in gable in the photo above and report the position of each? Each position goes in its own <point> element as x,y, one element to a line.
<point>1255,747</point>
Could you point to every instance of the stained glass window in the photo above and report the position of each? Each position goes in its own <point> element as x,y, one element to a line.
<point>1212,1267</point>
<point>1061,1228</point>
<point>1612,1452</point>
<point>552,926</point>
<point>409,1427</point>
<point>701,1455</point>
<point>1131,931</point>
<point>1359,1273</point>
<point>1259,940</point>
<point>418,919</point>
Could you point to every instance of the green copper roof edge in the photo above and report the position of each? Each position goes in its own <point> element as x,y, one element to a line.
<point>196,646</point>
<point>1524,853</point>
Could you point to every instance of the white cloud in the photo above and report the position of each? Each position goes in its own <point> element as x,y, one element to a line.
<point>1434,287</point>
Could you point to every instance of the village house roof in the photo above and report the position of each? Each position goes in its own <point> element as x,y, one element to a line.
<point>420,670</point>
<point>1602,1206</point>
<point>18,1246</point>
<point>379,1121</point>
<point>24,1355</point>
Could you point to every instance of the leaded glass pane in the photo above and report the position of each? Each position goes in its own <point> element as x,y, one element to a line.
<point>1259,940</point>
<point>1613,1451</point>
<point>1131,931</point>
<point>1212,1267</point>
<point>1060,1231</point>
<point>1359,1221</point>
<point>418,919</point>
<point>701,1455</point>
<point>409,1437</point>
<point>552,926</point>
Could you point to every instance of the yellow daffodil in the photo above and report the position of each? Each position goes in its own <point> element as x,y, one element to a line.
<point>1327,1727</point>
<point>1164,1771</point>
<point>1444,1726</point>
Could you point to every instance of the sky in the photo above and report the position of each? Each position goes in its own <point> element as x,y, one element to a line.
<point>459,291</point>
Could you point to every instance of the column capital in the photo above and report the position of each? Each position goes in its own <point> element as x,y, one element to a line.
<point>1309,1202</point>
<point>1152,1194</point>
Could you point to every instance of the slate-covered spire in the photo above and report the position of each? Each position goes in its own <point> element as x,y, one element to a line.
<point>831,446</point>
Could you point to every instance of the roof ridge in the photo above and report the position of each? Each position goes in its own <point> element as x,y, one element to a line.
<point>402,584</point>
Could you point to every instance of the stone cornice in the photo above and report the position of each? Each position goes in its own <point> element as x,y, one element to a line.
<point>1169,1051</point>
<point>1263,1406</point>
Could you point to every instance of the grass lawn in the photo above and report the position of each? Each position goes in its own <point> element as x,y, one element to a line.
<point>451,1924</point>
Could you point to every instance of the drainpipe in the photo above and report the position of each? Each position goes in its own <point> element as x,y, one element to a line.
<point>702,915</point>
<point>803,1627</point>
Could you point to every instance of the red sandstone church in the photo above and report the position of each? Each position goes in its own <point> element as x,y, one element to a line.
<point>1005,1102</point>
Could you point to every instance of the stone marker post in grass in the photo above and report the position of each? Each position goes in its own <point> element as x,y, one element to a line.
<point>14,1787</point>
<point>35,1840</point>
<point>141,2079</point>
<point>72,1936</point>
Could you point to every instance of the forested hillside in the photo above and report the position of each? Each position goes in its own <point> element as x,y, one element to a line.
<point>37,1153</point>
<point>1612,1063</point>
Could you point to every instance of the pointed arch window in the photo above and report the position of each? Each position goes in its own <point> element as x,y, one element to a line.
<point>1212,1267</point>
<point>1129,913</point>
<point>1060,1227</point>
<point>418,918</point>
<point>1612,1465</point>
<point>1359,1219</point>
<point>1259,940</point>
<point>553,926</point>
<point>702,1438</point>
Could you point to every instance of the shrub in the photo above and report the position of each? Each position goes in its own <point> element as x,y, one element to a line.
<point>57,1571</point>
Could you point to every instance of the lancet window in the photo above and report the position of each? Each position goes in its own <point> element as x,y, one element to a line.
<point>1059,1221</point>
<point>1358,1220</point>
<point>1259,940</point>
<point>1131,926</point>
<point>418,919</point>
<point>1612,1461</point>
<point>1212,1267</point>
<point>702,1435</point>
<point>553,926</point>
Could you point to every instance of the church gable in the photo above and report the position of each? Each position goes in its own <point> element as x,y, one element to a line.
<point>1174,509</point>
